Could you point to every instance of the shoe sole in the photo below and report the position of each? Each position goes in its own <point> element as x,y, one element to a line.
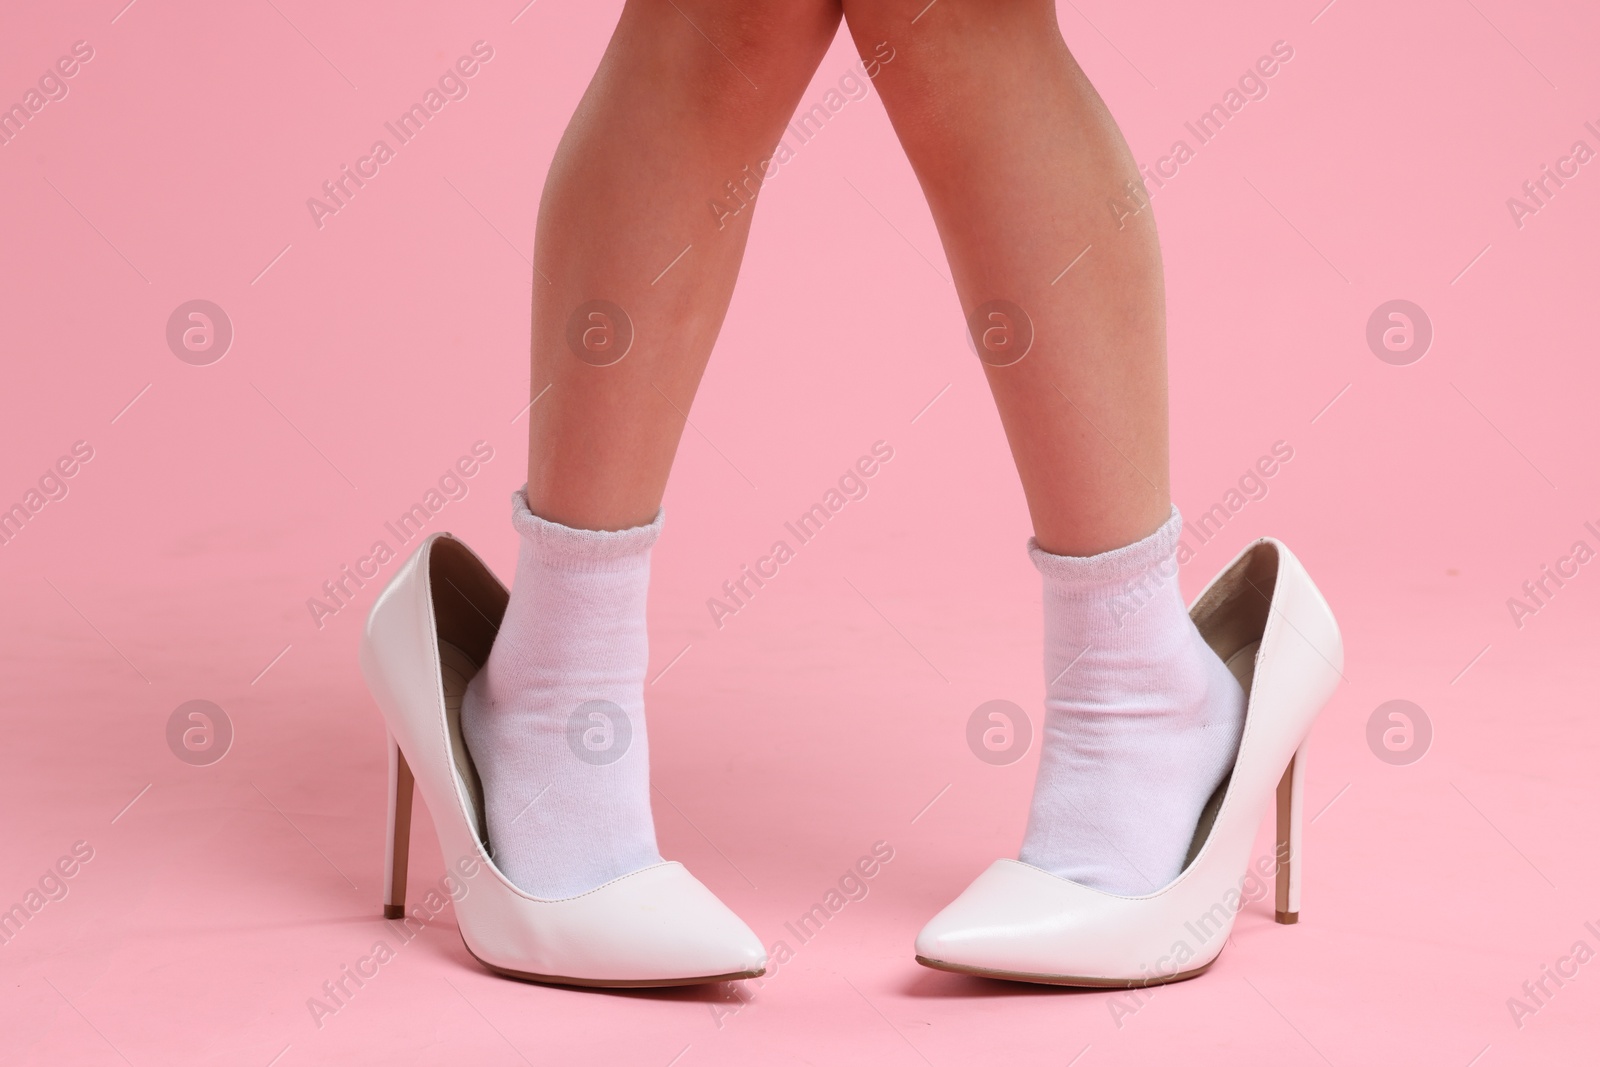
<point>1064,979</point>
<point>609,983</point>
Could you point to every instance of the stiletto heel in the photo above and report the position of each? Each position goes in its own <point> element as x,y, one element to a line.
<point>1291,793</point>
<point>1265,619</point>
<point>396,859</point>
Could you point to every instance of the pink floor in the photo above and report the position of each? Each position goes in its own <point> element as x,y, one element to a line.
<point>830,713</point>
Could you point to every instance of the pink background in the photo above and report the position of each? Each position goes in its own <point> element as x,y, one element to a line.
<point>822,718</point>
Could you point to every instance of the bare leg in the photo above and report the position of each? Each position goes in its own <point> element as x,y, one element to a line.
<point>1017,156</point>
<point>691,94</point>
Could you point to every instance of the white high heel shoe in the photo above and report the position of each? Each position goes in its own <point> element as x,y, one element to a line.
<point>1266,620</point>
<point>426,636</point>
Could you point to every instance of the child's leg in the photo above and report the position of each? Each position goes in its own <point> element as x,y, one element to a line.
<point>690,93</point>
<point>1018,158</point>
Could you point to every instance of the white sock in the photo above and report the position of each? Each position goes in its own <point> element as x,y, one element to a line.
<point>1142,720</point>
<point>566,812</point>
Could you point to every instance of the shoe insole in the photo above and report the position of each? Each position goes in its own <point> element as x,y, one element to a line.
<point>456,669</point>
<point>1242,664</point>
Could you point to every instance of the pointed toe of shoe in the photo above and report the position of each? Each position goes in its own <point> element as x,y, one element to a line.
<point>1019,922</point>
<point>684,930</point>
<point>656,926</point>
<point>994,926</point>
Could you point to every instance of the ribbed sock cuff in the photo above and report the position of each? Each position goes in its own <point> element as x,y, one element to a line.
<point>1070,576</point>
<point>570,549</point>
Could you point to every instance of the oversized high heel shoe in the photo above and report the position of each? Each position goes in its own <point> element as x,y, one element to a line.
<point>1267,621</point>
<point>426,636</point>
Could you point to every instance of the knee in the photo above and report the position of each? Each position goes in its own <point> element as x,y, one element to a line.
<point>917,24</point>
<point>770,31</point>
<point>734,49</point>
<point>933,52</point>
